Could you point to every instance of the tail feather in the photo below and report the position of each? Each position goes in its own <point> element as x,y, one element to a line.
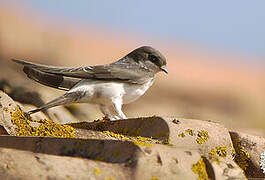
<point>52,80</point>
<point>48,79</point>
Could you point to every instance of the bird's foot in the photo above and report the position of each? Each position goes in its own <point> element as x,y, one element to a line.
<point>27,115</point>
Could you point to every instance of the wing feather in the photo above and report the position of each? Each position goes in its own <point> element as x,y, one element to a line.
<point>130,73</point>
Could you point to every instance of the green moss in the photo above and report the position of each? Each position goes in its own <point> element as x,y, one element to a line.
<point>242,157</point>
<point>200,169</point>
<point>46,128</point>
<point>202,136</point>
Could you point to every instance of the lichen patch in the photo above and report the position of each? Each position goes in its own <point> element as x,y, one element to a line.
<point>200,169</point>
<point>202,136</point>
<point>242,157</point>
<point>46,128</point>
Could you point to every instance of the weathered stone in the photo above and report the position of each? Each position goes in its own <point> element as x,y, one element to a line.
<point>202,136</point>
<point>248,150</point>
<point>132,161</point>
<point>140,148</point>
<point>6,106</point>
<point>225,169</point>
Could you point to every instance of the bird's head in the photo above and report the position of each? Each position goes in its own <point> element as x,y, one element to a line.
<point>149,58</point>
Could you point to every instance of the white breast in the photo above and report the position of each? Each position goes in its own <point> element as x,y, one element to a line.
<point>133,91</point>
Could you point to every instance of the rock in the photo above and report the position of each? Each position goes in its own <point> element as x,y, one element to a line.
<point>206,137</point>
<point>225,169</point>
<point>140,148</point>
<point>17,164</point>
<point>6,106</point>
<point>101,159</point>
<point>248,150</point>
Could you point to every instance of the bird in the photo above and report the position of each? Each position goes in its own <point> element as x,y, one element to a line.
<point>109,86</point>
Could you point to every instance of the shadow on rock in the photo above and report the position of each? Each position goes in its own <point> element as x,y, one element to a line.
<point>111,151</point>
<point>154,127</point>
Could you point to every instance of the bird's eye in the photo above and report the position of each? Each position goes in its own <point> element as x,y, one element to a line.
<point>154,58</point>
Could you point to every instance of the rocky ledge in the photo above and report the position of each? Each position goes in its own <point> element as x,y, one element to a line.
<point>149,148</point>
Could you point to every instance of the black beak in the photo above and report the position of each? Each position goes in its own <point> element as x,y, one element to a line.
<point>163,68</point>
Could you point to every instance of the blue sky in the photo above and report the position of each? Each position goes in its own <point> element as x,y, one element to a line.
<point>233,26</point>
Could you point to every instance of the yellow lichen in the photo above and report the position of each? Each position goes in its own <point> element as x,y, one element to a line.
<point>139,140</point>
<point>168,142</point>
<point>221,151</point>
<point>111,178</point>
<point>189,131</point>
<point>242,157</point>
<point>116,135</point>
<point>215,153</point>
<point>213,156</point>
<point>200,169</point>
<point>212,152</point>
<point>142,143</point>
<point>46,128</point>
<point>97,171</point>
<point>181,135</point>
<point>154,178</point>
<point>68,177</point>
<point>202,136</point>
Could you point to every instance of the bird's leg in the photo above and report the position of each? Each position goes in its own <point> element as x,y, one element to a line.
<point>106,111</point>
<point>117,106</point>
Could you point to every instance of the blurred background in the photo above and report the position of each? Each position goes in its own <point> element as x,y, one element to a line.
<point>215,51</point>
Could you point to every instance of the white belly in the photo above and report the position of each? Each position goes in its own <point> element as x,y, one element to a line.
<point>100,92</point>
